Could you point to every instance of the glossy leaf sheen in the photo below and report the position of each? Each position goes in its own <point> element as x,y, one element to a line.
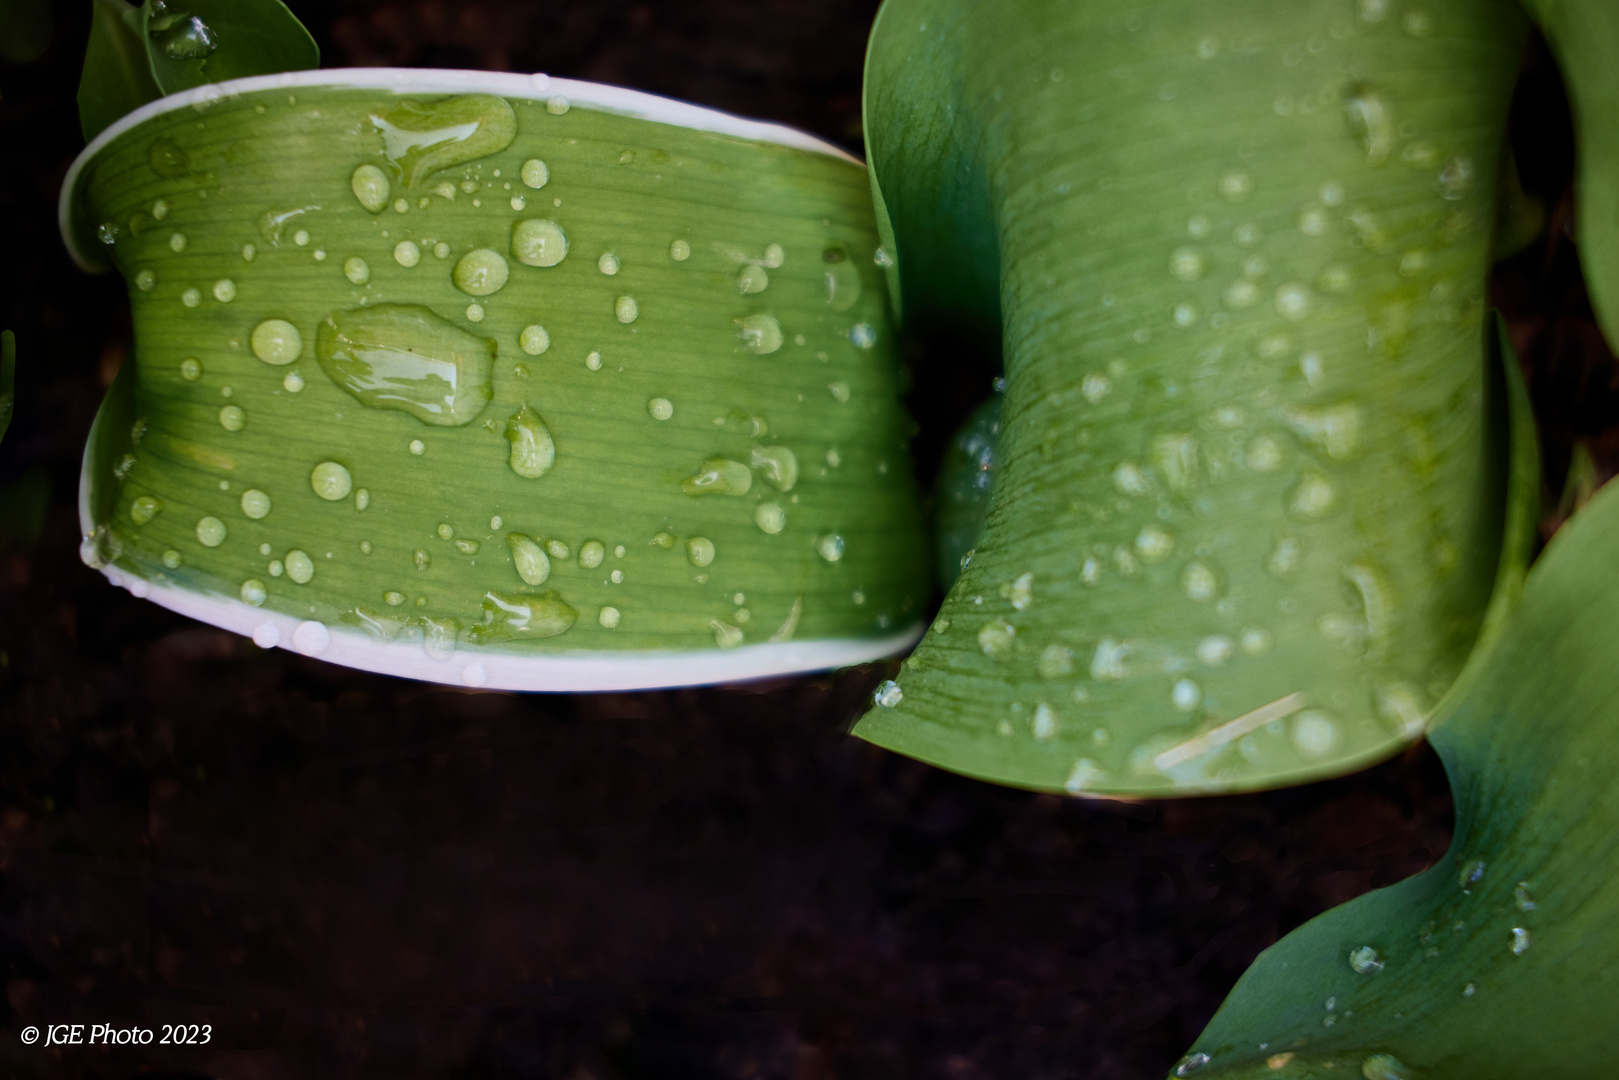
<point>1497,961</point>
<point>1249,506</point>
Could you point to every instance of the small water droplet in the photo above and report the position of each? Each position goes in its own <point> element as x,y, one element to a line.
<point>145,280</point>
<point>300,567</point>
<point>418,447</point>
<point>177,242</point>
<point>1199,582</point>
<point>1384,1067</point>
<point>1313,498</point>
<point>1186,263</point>
<point>232,418</point>
<point>608,263</point>
<point>1153,544</point>
<point>534,340</point>
<point>680,251</point>
<point>770,517</point>
<point>1369,121</point>
<point>593,360</point>
<point>625,309</point>
<point>591,554</point>
<point>407,254</point>
<point>700,551</point>
<point>829,547</point>
<point>1191,1063</point>
<point>255,504</point>
<point>530,561</point>
<point>862,335</point>
<point>752,278</point>
<point>480,272</point>
<point>1365,960</point>
<point>191,369</point>
<point>210,532</point>
<point>191,297</point>
<point>1186,695</point>
<point>1315,736</point>
<point>660,408</point>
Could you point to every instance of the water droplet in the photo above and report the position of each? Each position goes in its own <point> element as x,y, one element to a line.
<point>331,481</point>
<point>311,638</point>
<point>1199,582</point>
<point>370,186</point>
<point>191,369</point>
<point>1186,263</point>
<point>591,553</point>
<point>1384,1067</point>
<point>535,173</point>
<point>534,340</point>
<point>1186,695</point>
<point>680,251</point>
<point>1191,1063</point>
<point>145,280</point>
<point>254,592</point>
<point>1418,24</point>
<point>718,476</point>
<point>1107,663</point>
<point>1470,874</point>
<point>752,278</point>
<point>172,559</point>
<point>407,254</point>
<point>1153,544</point>
<point>609,617</point>
<point>557,105</point>
<point>778,465</point>
<point>177,242</point>
<point>700,551</point>
<point>608,263</point>
<point>1313,498</point>
<point>1315,736</point>
<point>541,242</point>
<point>996,637</point>
<point>1240,294</point>
<point>1236,185</point>
<point>232,418</point>
<point>397,356</point>
<point>1084,775</point>
<point>862,335</point>
<point>594,361</point>
<point>829,547</point>
<point>760,333</point>
<point>1293,301</point>
<point>255,504</point>
<point>770,517</point>
<point>210,532</point>
<point>625,309</point>
<point>1216,649</point>
<point>1365,960</point>
<point>474,312</point>
<point>418,447</point>
<point>480,272</point>
<point>532,450</point>
<point>1370,122</point>
<point>529,559</point>
<point>441,250</point>
<point>1131,479</point>
<point>300,567</point>
<point>888,694</point>
<point>276,341</point>
<point>420,139</point>
<point>660,408</point>
<point>191,297</point>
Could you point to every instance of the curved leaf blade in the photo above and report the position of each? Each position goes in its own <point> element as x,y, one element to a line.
<point>117,76</point>
<point>192,42</point>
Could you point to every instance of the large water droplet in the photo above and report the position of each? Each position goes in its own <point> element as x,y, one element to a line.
<point>530,560</point>
<point>700,551</point>
<point>480,272</point>
<point>421,138</point>
<point>255,504</point>
<point>539,242</point>
<point>331,481</point>
<point>404,357</point>
<point>1365,960</point>
<point>829,547</point>
<point>839,278</point>
<point>778,465</point>
<point>752,278</point>
<point>770,517</point>
<point>719,476</point>
<point>997,637</point>
<point>534,172</point>
<point>887,695</point>
<point>210,532</point>
<point>533,451</point>
<point>508,615</point>
<point>276,341</point>
<point>1369,121</point>
<point>760,333</point>
<point>591,554</point>
<point>300,567</point>
<point>370,186</point>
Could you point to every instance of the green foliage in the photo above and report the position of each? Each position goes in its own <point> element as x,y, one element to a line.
<point>1493,962</point>
<point>140,54</point>
<point>961,496</point>
<point>1251,500</point>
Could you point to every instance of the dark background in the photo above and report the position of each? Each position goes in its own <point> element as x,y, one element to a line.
<point>349,875</point>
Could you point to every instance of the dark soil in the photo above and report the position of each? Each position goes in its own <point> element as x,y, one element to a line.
<point>349,875</point>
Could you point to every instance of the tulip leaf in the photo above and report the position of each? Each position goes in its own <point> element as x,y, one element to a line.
<point>1584,35</point>
<point>117,76</point>
<point>1495,962</point>
<point>192,42</point>
<point>502,388</point>
<point>1249,507</point>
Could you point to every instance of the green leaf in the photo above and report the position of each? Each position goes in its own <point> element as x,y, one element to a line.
<point>961,496</point>
<point>503,387</point>
<point>1584,36</point>
<point>1249,509</point>
<point>8,379</point>
<point>192,42</point>
<point>117,77</point>
<point>1495,962</point>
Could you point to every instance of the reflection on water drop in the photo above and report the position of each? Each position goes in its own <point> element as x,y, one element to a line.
<point>480,272</point>
<point>829,547</point>
<point>719,476</point>
<point>511,615</point>
<point>1369,120</point>
<point>752,278</point>
<point>680,251</point>
<point>539,242</point>
<point>420,139</point>
<point>760,333</point>
<point>331,481</point>
<point>404,357</point>
<point>1365,960</point>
